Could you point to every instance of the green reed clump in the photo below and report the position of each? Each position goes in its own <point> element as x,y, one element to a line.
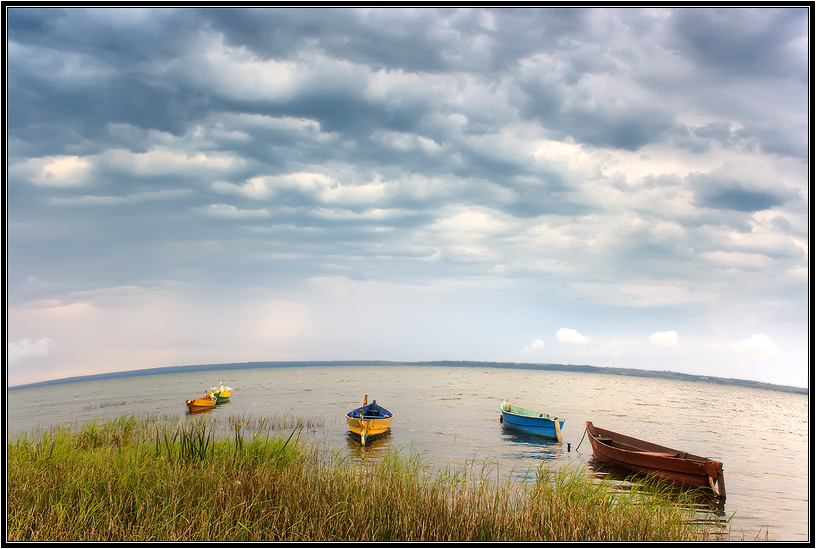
<point>155,480</point>
<point>123,430</point>
<point>647,511</point>
<point>276,422</point>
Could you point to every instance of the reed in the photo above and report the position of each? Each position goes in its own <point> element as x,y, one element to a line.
<point>112,403</point>
<point>155,480</point>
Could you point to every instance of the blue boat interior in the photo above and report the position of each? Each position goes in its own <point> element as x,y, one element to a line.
<point>370,411</point>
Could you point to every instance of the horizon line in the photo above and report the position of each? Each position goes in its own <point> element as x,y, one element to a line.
<point>160,370</point>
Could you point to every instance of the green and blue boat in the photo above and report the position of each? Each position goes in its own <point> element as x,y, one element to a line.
<point>529,421</point>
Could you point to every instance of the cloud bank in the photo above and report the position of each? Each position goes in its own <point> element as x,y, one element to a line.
<point>459,182</point>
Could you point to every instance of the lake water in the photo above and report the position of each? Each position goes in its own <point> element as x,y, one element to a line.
<point>450,416</point>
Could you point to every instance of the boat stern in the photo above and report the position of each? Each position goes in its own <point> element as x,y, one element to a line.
<point>716,477</point>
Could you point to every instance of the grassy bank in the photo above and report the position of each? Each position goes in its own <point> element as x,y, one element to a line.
<point>151,479</point>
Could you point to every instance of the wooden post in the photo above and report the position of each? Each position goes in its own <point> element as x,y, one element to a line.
<point>558,430</point>
<point>721,483</point>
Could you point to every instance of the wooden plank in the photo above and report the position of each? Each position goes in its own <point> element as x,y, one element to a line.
<point>721,483</point>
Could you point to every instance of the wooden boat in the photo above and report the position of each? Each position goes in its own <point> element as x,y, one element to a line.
<point>535,423</point>
<point>644,457</point>
<point>200,404</point>
<point>369,421</point>
<point>221,393</point>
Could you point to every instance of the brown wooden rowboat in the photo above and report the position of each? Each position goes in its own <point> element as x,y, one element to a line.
<point>644,457</point>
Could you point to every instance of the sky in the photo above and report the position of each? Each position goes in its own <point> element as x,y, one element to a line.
<point>613,187</point>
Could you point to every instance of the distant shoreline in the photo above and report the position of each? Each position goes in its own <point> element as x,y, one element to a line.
<point>448,363</point>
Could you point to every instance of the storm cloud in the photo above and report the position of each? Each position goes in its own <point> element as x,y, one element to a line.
<point>407,184</point>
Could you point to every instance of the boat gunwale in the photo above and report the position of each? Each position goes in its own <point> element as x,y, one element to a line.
<point>544,416</point>
<point>534,414</point>
<point>386,415</point>
<point>642,447</point>
<point>207,398</point>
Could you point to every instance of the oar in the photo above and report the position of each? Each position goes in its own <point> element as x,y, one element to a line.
<point>363,430</point>
<point>558,430</point>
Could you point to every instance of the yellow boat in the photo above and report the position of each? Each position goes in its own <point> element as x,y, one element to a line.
<point>369,421</point>
<point>200,404</point>
<point>221,393</point>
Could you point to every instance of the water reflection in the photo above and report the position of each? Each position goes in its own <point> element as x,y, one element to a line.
<point>523,445</point>
<point>373,451</point>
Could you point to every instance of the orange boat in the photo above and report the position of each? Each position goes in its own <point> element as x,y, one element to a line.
<point>647,458</point>
<point>202,403</point>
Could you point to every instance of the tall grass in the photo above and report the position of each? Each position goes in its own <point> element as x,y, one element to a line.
<point>150,480</point>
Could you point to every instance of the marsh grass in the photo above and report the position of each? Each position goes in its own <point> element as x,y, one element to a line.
<point>167,479</point>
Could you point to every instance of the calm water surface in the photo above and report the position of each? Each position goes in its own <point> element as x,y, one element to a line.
<point>451,417</point>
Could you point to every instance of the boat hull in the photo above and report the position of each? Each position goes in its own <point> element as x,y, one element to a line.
<point>222,394</point>
<point>640,456</point>
<point>369,426</point>
<point>200,404</point>
<point>530,422</point>
<point>373,427</point>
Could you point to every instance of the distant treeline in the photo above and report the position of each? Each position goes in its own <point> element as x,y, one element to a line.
<point>443,363</point>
